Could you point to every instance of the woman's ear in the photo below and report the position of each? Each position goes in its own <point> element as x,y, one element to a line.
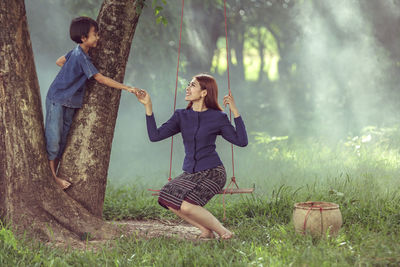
<point>203,93</point>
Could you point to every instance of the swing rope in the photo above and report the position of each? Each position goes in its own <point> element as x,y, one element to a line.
<point>176,89</point>
<point>228,189</point>
<point>233,179</point>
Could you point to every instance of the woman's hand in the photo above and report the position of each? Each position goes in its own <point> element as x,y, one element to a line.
<point>145,99</point>
<point>228,100</point>
<point>133,90</point>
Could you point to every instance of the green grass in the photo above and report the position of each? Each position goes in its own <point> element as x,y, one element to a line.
<point>364,182</point>
<point>370,235</point>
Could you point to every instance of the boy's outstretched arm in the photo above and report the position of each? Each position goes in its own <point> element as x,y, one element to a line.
<point>60,61</point>
<point>112,83</point>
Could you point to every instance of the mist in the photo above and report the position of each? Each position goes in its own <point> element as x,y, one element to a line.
<point>344,65</point>
<point>338,77</point>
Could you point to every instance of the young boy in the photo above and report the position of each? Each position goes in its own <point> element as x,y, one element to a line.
<point>66,93</point>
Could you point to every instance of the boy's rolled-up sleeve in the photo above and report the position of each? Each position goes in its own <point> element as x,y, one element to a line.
<point>88,68</point>
<point>68,54</point>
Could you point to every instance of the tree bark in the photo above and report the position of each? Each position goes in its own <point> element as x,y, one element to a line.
<point>87,155</point>
<point>30,200</point>
<point>2,141</point>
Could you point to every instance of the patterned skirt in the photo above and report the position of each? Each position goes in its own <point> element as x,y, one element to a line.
<point>196,188</point>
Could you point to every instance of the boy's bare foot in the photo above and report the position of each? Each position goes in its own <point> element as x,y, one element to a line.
<point>53,167</point>
<point>61,182</point>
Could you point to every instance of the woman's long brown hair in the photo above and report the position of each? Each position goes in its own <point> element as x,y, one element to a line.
<point>207,82</point>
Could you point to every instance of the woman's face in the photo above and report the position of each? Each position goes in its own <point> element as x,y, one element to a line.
<point>194,92</point>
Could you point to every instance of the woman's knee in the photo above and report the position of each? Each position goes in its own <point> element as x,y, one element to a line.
<point>172,209</point>
<point>186,208</point>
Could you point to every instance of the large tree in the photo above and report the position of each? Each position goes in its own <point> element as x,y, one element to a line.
<point>29,198</point>
<point>87,155</point>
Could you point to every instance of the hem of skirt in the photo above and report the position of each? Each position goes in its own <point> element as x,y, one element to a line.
<point>165,204</point>
<point>192,201</point>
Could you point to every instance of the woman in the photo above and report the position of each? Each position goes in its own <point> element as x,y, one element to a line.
<point>204,174</point>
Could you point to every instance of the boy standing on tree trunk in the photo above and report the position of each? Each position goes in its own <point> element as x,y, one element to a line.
<point>66,93</point>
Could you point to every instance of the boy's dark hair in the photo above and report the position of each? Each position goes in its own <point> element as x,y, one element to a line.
<point>80,27</point>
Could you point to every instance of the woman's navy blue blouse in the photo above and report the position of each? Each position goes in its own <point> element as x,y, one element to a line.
<point>199,131</point>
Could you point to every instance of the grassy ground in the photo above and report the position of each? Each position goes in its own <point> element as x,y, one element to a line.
<point>265,236</point>
<point>363,182</point>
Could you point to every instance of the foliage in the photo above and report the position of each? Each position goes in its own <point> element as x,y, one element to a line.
<point>269,146</point>
<point>14,252</point>
<point>375,137</point>
<point>157,12</point>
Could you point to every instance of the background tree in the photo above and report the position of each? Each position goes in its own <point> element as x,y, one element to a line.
<point>204,24</point>
<point>384,17</point>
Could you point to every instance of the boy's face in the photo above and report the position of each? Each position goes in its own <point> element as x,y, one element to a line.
<point>91,40</point>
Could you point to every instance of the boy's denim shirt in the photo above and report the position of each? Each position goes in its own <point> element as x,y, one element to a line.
<point>68,88</point>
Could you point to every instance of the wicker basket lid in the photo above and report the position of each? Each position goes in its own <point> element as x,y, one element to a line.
<point>316,205</point>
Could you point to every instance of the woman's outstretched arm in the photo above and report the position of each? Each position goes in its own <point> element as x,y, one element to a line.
<point>169,128</point>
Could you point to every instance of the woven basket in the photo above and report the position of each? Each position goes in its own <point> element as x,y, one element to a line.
<point>316,218</point>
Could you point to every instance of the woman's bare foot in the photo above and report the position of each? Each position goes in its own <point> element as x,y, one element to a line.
<point>63,183</point>
<point>206,235</point>
<point>227,235</point>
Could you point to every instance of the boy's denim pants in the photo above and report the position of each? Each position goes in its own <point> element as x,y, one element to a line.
<point>58,122</point>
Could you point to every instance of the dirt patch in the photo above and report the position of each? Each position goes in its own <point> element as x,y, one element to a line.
<point>160,228</point>
<point>145,229</point>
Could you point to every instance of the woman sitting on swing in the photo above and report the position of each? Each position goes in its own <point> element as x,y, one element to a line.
<point>204,174</point>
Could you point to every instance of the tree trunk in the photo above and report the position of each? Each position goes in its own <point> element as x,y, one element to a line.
<point>30,199</point>
<point>237,44</point>
<point>87,155</point>
<point>261,47</point>
<point>2,140</point>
